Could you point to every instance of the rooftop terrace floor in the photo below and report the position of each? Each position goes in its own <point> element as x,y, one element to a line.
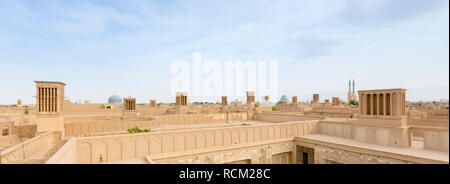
<point>414,152</point>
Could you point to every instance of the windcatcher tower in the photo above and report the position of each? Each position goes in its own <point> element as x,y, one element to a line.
<point>294,100</point>
<point>181,103</point>
<point>129,104</point>
<point>181,99</point>
<point>315,99</point>
<point>152,103</point>
<point>251,99</point>
<point>224,100</point>
<point>50,106</point>
<point>386,110</point>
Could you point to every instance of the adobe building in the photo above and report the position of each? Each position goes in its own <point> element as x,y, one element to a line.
<point>386,108</point>
<point>152,103</point>
<point>19,102</point>
<point>181,99</point>
<point>336,101</point>
<point>6,127</point>
<point>382,133</point>
<point>181,103</point>
<point>383,103</point>
<point>224,101</point>
<point>49,106</point>
<point>250,98</point>
<point>294,100</point>
<point>315,99</point>
<point>129,108</point>
<point>266,99</point>
<point>266,105</point>
<point>129,104</point>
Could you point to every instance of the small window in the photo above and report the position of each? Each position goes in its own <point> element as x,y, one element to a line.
<point>5,131</point>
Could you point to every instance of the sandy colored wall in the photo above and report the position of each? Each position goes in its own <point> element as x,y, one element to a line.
<point>146,111</point>
<point>90,118</point>
<point>99,109</point>
<point>428,114</point>
<point>30,147</point>
<point>272,152</point>
<point>71,108</point>
<point>49,123</point>
<point>264,109</point>
<point>13,110</point>
<point>342,154</point>
<point>126,147</point>
<point>386,136</point>
<point>232,116</point>
<point>338,129</point>
<point>93,128</point>
<point>66,154</point>
<point>8,141</point>
<point>26,131</point>
<point>86,129</point>
<point>434,138</point>
<point>279,118</point>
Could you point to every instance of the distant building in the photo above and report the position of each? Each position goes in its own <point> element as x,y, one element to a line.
<point>114,100</point>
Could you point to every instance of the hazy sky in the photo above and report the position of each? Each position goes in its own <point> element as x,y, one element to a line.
<point>100,48</point>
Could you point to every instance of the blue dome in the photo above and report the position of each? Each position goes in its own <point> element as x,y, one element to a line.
<point>114,99</point>
<point>284,97</point>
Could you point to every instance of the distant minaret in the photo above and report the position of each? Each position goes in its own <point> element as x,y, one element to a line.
<point>353,86</point>
<point>349,86</point>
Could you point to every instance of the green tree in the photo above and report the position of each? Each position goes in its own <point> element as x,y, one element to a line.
<point>26,111</point>
<point>355,103</point>
<point>137,130</point>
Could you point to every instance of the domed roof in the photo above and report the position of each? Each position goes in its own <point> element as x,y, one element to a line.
<point>114,99</point>
<point>284,97</point>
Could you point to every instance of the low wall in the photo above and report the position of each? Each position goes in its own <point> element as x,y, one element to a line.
<point>71,108</point>
<point>87,118</point>
<point>280,117</point>
<point>92,150</point>
<point>93,128</point>
<point>428,114</point>
<point>267,152</point>
<point>339,129</point>
<point>30,147</point>
<point>386,136</point>
<point>66,154</point>
<point>231,116</point>
<point>434,138</point>
<point>327,152</point>
<point>11,110</point>
<point>146,111</point>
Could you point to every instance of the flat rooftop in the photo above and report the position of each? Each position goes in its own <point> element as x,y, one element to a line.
<point>437,156</point>
<point>169,127</point>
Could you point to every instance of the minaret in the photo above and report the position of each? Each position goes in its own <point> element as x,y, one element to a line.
<point>351,93</point>
<point>353,86</point>
<point>349,86</point>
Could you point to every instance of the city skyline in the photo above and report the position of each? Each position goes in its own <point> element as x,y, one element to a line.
<point>104,48</point>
